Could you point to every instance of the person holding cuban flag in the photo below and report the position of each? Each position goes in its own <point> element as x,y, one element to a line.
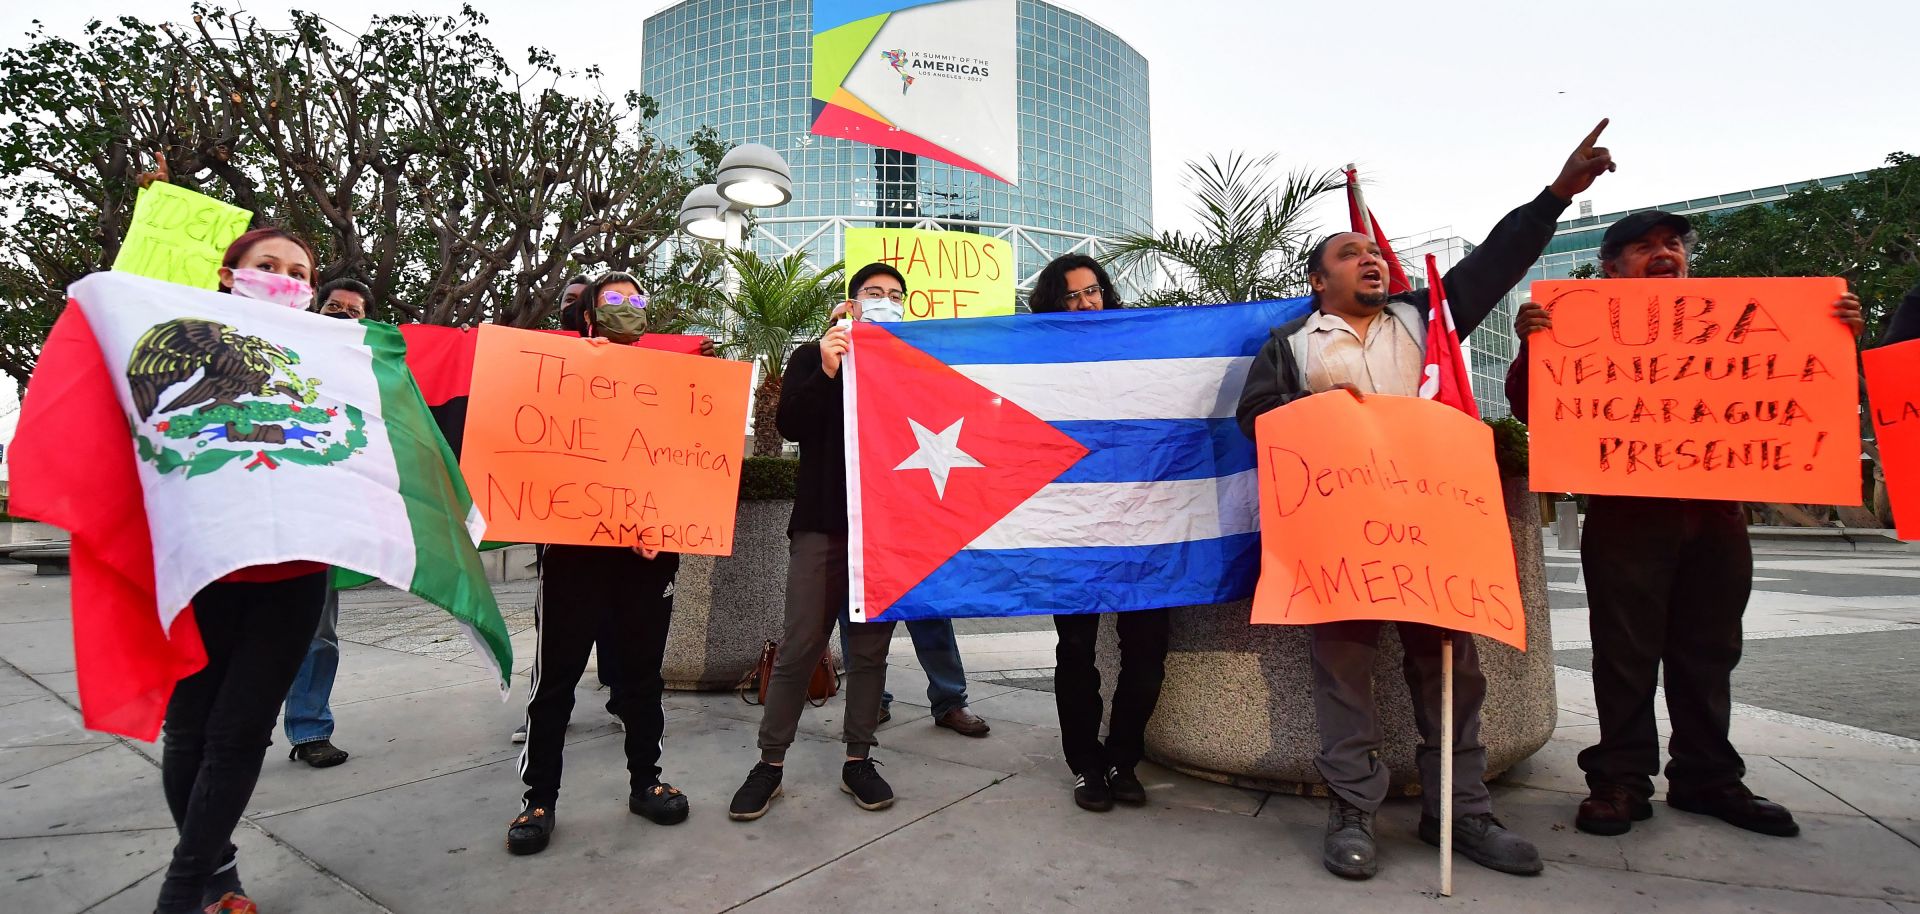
<point>811,414</point>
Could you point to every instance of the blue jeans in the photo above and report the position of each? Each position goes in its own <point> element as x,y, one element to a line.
<point>309,719</point>
<point>939,653</point>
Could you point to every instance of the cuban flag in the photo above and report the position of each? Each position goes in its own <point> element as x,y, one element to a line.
<point>1052,463</point>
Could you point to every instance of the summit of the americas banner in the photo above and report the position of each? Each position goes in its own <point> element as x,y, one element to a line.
<point>936,79</point>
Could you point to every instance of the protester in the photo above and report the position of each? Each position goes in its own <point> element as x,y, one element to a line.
<point>1905,323</point>
<point>309,715</point>
<point>1103,774</point>
<point>1667,584</point>
<point>254,623</point>
<point>1363,340</point>
<point>618,596</point>
<point>571,317</point>
<point>810,415</point>
<point>938,650</point>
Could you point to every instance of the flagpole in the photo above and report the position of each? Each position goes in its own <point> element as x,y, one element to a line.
<point>1446,764</point>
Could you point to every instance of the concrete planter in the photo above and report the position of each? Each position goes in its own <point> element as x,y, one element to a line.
<point>1237,706</point>
<point>726,609</point>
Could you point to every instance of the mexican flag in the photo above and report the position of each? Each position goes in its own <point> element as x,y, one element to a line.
<point>180,435</point>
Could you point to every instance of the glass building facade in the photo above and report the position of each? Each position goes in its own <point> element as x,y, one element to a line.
<point>743,67</point>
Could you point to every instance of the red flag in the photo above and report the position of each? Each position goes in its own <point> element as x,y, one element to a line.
<point>1444,378</point>
<point>73,468</point>
<point>1365,224</point>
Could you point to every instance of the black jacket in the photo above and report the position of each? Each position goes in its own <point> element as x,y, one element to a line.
<point>1474,286</point>
<point>811,416</point>
<point>1906,320</point>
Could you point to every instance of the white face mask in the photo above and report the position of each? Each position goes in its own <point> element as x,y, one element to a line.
<point>882,310</point>
<point>277,288</point>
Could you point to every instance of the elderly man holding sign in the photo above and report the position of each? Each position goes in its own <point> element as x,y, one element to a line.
<point>1363,340</point>
<point>1668,577</point>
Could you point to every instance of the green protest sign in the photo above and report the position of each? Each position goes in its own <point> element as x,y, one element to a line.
<point>179,236</point>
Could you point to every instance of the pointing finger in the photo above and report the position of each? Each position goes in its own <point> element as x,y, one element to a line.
<point>1595,135</point>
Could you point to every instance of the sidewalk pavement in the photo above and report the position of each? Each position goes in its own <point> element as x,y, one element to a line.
<point>415,821</point>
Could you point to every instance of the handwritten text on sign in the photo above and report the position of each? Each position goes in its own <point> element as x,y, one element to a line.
<point>1733,389</point>
<point>949,274</point>
<point>568,442</point>
<point>1385,509</point>
<point>179,236</point>
<point>1893,394</point>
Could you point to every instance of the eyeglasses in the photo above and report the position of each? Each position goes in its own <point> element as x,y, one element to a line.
<point>615,299</point>
<point>330,306</point>
<point>878,292</point>
<point>1090,293</point>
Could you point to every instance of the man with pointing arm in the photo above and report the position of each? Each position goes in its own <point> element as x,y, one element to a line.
<point>1363,340</point>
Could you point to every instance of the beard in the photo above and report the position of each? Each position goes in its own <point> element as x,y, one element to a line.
<point>1371,299</point>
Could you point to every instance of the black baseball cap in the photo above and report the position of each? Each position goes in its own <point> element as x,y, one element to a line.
<point>1634,225</point>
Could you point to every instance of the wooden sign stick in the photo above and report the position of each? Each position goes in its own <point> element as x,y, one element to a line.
<point>1446,765</point>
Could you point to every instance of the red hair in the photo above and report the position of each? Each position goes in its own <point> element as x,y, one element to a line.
<point>237,251</point>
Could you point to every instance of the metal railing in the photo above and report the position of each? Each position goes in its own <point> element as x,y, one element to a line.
<point>1142,275</point>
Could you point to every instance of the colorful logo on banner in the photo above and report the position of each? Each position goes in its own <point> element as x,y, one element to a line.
<point>949,274</point>
<point>957,58</point>
<point>1729,389</point>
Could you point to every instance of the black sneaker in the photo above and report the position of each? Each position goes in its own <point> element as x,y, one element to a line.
<point>661,804</point>
<point>862,781</point>
<point>1090,792</point>
<point>530,832</point>
<point>755,796</point>
<point>1126,787</point>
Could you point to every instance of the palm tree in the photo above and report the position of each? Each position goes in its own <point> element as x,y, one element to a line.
<point>781,303</point>
<point>1253,228</point>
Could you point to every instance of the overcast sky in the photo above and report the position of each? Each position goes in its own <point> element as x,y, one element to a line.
<point>1455,112</point>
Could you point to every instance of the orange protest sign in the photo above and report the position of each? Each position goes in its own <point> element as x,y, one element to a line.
<point>1732,389</point>
<point>1893,396</point>
<point>1389,508</point>
<point>568,442</point>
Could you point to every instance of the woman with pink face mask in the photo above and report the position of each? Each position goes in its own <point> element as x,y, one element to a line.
<point>255,624</point>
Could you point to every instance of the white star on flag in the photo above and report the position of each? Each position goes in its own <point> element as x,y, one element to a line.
<point>939,454</point>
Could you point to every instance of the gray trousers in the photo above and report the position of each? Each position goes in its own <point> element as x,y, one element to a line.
<point>1350,734</point>
<point>816,598</point>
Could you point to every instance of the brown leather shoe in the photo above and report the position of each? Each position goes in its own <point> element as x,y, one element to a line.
<point>1736,805</point>
<point>963,721</point>
<point>1611,810</point>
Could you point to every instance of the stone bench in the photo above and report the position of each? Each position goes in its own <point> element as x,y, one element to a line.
<point>7,550</point>
<point>51,560</point>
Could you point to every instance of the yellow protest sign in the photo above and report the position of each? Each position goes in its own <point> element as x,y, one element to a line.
<point>178,235</point>
<point>949,274</point>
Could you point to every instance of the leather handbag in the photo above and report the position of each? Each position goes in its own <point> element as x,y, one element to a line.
<point>822,685</point>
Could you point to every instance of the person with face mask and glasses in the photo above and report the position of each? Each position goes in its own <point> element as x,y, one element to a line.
<point>810,414</point>
<point>620,597</point>
<point>882,297</point>
<point>309,715</point>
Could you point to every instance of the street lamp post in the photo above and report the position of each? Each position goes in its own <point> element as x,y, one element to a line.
<point>750,176</point>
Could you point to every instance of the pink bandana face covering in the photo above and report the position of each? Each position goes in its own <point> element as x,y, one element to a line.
<point>277,288</point>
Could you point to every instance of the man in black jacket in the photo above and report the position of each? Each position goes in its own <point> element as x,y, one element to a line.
<point>1363,340</point>
<point>1667,585</point>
